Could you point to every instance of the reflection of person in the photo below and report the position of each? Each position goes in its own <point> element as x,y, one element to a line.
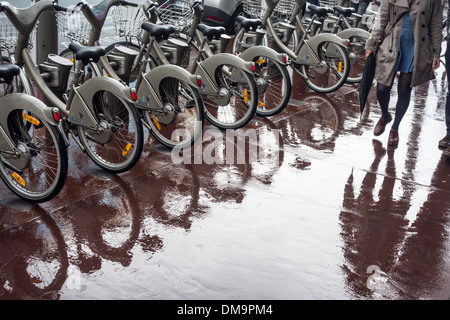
<point>412,48</point>
<point>374,226</point>
<point>371,221</point>
<point>445,142</point>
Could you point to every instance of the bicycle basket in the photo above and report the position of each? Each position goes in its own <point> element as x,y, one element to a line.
<point>179,14</point>
<point>9,34</point>
<point>73,26</point>
<point>127,20</point>
<point>254,8</point>
<point>284,8</point>
<point>328,3</point>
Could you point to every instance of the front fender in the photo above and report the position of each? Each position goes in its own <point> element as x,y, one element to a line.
<point>352,32</point>
<point>251,53</point>
<point>305,55</point>
<point>21,101</point>
<point>146,94</point>
<point>210,64</point>
<point>81,107</point>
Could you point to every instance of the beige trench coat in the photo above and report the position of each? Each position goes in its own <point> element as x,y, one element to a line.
<point>426,18</point>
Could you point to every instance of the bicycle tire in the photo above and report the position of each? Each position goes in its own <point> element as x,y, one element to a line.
<point>244,94</point>
<point>268,70</point>
<point>124,148</point>
<point>337,68</point>
<point>277,93</point>
<point>187,123</point>
<point>45,175</point>
<point>243,101</point>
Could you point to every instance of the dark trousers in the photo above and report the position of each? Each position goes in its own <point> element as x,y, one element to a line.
<point>447,101</point>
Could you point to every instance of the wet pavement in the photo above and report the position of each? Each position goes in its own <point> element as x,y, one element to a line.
<point>325,210</point>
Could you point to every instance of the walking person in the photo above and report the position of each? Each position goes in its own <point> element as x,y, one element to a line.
<point>445,142</point>
<point>411,47</point>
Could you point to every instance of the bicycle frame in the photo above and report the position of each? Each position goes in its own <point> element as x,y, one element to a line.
<point>96,16</point>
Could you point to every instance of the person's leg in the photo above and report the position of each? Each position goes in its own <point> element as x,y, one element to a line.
<point>443,143</point>
<point>383,97</point>
<point>362,8</point>
<point>404,97</point>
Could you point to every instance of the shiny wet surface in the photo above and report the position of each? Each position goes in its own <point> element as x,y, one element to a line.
<point>324,211</point>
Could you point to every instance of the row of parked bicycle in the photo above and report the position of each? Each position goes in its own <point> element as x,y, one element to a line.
<point>168,74</point>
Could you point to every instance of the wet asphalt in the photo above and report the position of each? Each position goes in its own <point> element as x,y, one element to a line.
<point>325,210</point>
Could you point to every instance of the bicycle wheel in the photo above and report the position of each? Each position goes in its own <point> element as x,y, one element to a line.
<point>239,107</point>
<point>274,75</point>
<point>333,70</point>
<point>278,86</point>
<point>238,86</point>
<point>357,58</point>
<point>120,145</point>
<point>43,158</point>
<point>181,121</point>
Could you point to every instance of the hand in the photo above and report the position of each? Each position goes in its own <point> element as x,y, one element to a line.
<point>436,63</point>
<point>369,52</point>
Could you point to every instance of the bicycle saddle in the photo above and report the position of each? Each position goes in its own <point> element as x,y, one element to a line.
<point>85,53</point>
<point>8,71</point>
<point>247,23</point>
<point>322,12</point>
<point>345,11</point>
<point>211,32</point>
<point>157,30</point>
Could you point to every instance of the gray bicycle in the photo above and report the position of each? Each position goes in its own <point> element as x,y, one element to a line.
<point>167,97</point>
<point>99,113</point>
<point>33,157</point>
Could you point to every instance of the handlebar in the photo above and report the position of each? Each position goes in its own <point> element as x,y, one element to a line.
<point>57,7</point>
<point>126,3</point>
<point>198,5</point>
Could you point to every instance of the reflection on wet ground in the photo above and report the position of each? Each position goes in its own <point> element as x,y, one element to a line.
<point>318,208</point>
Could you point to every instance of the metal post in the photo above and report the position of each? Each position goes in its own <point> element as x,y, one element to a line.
<point>46,37</point>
